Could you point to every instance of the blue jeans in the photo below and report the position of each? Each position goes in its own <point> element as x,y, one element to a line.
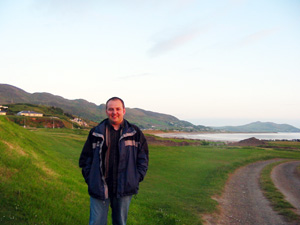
<point>99,210</point>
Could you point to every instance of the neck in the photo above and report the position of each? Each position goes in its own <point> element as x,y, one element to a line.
<point>116,126</point>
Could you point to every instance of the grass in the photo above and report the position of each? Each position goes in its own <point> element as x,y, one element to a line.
<point>40,179</point>
<point>276,198</point>
<point>40,182</point>
<point>285,144</point>
<point>185,178</point>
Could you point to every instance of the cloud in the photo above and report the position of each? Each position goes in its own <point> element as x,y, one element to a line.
<point>175,42</point>
<point>257,36</point>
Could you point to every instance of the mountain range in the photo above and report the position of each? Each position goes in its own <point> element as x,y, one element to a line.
<point>145,119</point>
<point>260,127</point>
<point>79,107</point>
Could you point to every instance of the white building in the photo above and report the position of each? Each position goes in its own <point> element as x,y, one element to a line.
<point>80,122</point>
<point>30,113</point>
<point>3,110</point>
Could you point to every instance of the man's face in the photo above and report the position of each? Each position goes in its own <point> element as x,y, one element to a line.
<point>115,112</point>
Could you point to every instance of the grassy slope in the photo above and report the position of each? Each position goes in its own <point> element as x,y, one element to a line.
<point>61,119</point>
<point>40,182</point>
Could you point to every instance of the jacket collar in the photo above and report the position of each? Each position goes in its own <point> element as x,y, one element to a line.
<point>127,129</point>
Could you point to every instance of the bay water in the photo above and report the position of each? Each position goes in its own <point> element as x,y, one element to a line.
<point>232,137</point>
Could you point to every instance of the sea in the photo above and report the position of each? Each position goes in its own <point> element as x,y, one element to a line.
<point>233,137</point>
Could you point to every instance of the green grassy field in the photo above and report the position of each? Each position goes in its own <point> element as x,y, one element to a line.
<point>285,144</point>
<point>40,182</point>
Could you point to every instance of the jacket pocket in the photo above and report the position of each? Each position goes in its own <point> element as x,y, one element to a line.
<point>132,182</point>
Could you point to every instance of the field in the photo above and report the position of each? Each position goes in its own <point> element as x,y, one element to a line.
<point>40,182</point>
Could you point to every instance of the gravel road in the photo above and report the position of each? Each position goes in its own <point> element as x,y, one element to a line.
<point>286,178</point>
<point>243,202</point>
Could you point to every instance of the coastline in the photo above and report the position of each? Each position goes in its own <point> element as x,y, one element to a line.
<point>227,136</point>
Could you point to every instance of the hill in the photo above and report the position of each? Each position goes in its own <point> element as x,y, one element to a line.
<point>40,182</point>
<point>260,127</point>
<point>10,94</point>
<point>53,117</point>
<point>87,110</point>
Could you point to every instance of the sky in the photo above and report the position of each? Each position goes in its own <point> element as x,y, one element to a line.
<point>211,63</point>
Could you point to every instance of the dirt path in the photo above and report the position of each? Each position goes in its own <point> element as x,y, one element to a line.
<point>243,202</point>
<point>287,179</point>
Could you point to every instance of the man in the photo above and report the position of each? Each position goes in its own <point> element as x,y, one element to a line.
<point>114,160</point>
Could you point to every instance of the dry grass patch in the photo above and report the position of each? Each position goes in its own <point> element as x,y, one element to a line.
<point>15,148</point>
<point>46,169</point>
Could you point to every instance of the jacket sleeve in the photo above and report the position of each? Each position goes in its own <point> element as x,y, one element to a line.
<point>142,157</point>
<point>86,157</point>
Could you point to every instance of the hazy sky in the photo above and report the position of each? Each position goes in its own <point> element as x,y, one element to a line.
<point>208,62</point>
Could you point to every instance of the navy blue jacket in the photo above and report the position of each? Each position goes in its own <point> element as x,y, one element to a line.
<point>133,160</point>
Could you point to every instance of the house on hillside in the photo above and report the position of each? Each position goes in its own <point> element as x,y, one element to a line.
<point>30,113</point>
<point>80,122</point>
<point>3,110</point>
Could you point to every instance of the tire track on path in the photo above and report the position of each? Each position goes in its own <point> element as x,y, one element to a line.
<point>286,179</point>
<point>243,202</point>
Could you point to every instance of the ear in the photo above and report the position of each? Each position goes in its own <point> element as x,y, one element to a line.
<point>124,111</point>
